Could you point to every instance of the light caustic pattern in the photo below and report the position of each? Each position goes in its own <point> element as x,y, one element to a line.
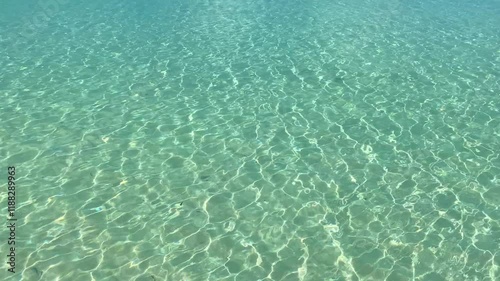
<point>256,141</point>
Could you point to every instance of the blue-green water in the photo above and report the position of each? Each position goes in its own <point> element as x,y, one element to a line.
<point>252,140</point>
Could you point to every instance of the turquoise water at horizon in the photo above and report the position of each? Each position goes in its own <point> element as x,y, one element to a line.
<point>252,140</point>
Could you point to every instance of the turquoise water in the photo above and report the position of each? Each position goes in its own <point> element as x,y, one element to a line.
<point>252,140</point>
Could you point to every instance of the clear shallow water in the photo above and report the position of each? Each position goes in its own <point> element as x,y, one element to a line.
<point>253,140</point>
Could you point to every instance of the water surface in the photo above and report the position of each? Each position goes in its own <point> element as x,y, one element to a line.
<point>253,140</point>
